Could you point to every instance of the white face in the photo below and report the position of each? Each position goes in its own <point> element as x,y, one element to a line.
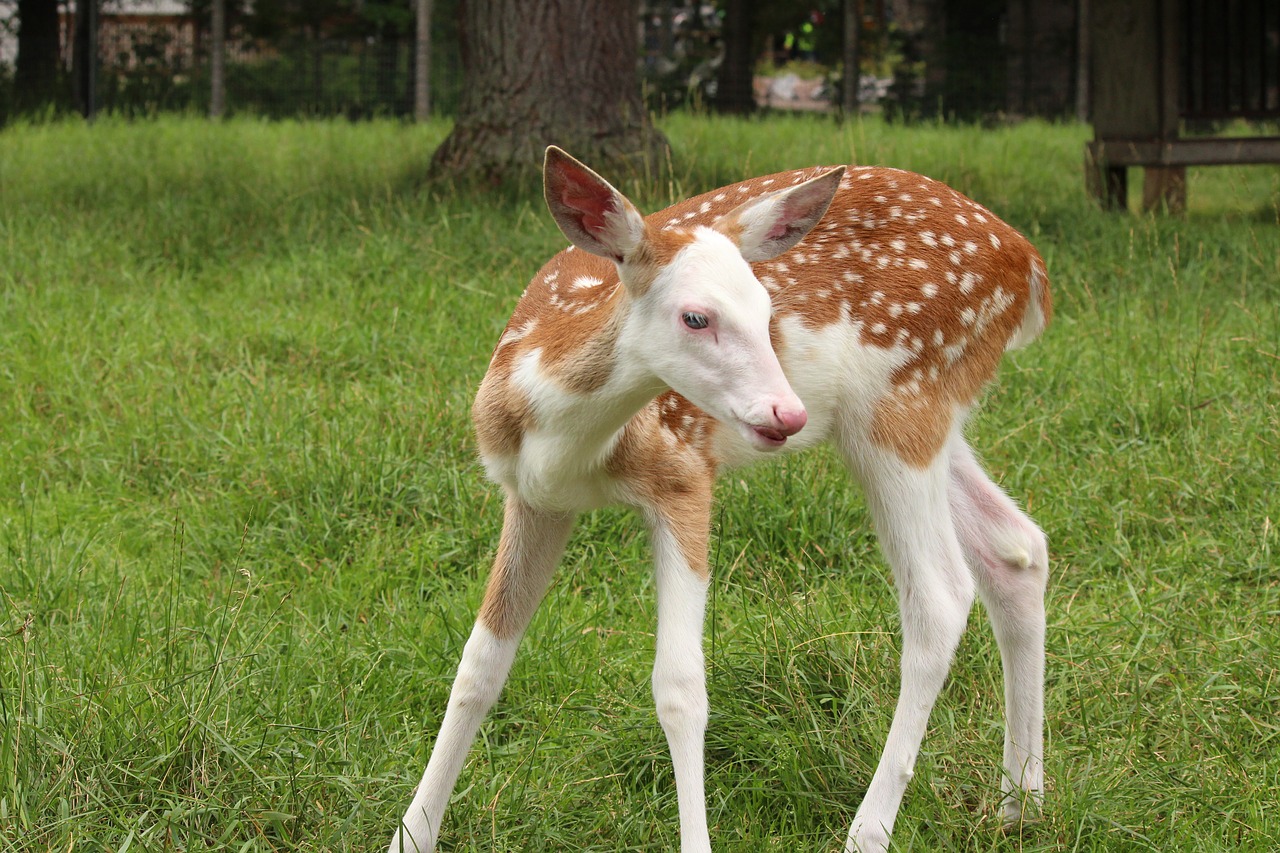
<point>705,331</point>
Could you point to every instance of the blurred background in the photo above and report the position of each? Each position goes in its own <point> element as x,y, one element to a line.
<point>955,59</point>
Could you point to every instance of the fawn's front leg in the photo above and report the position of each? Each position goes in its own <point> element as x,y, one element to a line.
<point>531,545</point>
<point>679,672</point>
<point>935,592</point>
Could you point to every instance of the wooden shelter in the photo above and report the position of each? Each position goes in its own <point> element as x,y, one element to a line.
<point>1160,68</point>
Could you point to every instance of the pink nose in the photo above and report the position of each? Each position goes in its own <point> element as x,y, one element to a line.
<point>790,421</point>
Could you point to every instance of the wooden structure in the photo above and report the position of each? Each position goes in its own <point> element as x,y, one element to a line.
<point>1158,66</point>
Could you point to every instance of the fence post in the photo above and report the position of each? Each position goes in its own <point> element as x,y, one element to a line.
<point>422,63</point>
<point>84,61</point>
<point>852,75</point>
<point>218,60</point>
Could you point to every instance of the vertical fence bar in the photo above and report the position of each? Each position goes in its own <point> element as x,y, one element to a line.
<point>852,75</point>
<point>422,63</point>
<point>218,60</point>
<point>91,62</point>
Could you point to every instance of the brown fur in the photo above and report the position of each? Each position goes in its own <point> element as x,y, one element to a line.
<point>527,554</point>
<point>501,415</point>
<point>678,491</point>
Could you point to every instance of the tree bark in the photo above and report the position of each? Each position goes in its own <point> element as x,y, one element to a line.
<point>36,74</point>
<point>557,72</point>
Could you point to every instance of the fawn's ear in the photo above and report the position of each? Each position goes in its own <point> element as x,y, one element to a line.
<point>766,227</point>
<point>592,214</point>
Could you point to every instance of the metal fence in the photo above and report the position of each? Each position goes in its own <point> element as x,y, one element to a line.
<point>143,56</point>
<point>149,56</point>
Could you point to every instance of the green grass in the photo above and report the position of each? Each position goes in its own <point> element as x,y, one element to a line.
<point>243,533</point>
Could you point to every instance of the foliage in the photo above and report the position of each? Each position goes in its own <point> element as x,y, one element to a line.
<point>243,534</point>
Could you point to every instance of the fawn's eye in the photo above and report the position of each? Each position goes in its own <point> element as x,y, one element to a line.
<point>694,320</point>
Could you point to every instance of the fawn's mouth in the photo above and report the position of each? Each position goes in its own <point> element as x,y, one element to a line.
<point>764,437</point>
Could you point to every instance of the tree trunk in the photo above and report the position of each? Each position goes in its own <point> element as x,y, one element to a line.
<point>735,88</point>
<point>36,74</point>
<point>557,72</point>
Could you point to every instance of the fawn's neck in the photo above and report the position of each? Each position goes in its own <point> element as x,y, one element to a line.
<point>562,386</point>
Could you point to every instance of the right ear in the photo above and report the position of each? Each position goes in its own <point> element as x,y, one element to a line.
<point>767,226</point>
<point>592,214</point>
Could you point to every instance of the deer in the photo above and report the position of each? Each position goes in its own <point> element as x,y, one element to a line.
<point>863,306</point>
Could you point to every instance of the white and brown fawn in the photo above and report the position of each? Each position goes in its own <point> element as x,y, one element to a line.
<point>864,306</point>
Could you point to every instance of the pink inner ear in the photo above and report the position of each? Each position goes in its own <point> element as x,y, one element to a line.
<point>584,197</point>
<point>778,231</point>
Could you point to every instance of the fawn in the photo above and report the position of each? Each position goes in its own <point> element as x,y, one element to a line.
<point>863,306</point>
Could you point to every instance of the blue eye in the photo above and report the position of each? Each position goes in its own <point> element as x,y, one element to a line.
<point>694,320</point>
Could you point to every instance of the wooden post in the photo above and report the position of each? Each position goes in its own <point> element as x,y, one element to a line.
<point>1107,183</point>
<point>1164,189</point>
<point>218,60</point>
<point>422,63</point>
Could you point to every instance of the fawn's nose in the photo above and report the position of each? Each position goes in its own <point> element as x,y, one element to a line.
<point>790,420</point>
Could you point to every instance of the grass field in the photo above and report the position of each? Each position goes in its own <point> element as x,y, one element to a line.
<point>243,533</point>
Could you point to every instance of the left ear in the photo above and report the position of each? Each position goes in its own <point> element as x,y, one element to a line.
<point>592,214</point>
<point>766,227</point>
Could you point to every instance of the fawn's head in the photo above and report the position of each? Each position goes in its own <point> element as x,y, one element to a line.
<point>699,317</point>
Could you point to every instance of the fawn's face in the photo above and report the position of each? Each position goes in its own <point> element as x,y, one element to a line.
<point>703,326</point>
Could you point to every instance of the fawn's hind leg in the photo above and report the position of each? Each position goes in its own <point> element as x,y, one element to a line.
<point>1008,556</point>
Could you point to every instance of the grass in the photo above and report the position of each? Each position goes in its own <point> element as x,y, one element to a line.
<point>243,534</point>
